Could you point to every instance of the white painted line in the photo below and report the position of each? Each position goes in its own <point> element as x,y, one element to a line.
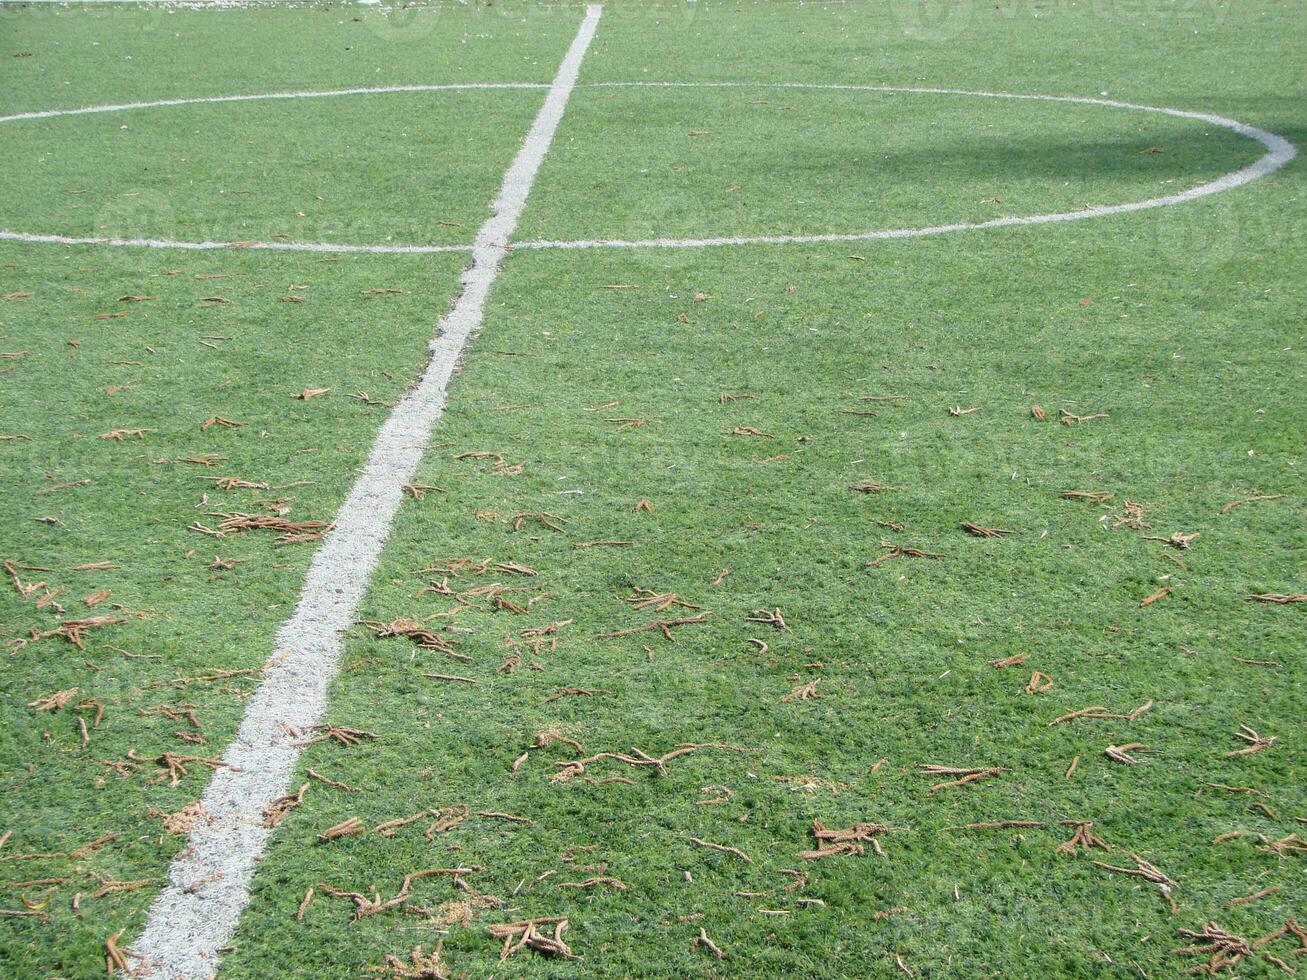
<point>195,916</point>
<point>1279,151</point>
<point>204,246</point>
<point>324,94</point>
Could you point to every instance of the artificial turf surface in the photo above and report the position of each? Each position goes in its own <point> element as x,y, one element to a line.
<point>1183,326</point>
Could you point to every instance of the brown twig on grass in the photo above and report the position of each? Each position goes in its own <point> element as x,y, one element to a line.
<point>964,775</point>
<point>871,488</point>
<point>1098,711</point>
<point>804,692</point>
<point>1121,753</point>
<point>420,966</point>
<point>419,490</point>
<point>330,782</point>
<point>665,626</point>
<point>338,733</point>
<point>722,847</point>
<point>901,551</point>
<point>72,630</point>
<point>617,883</point>
<point>1177,540</point>
<point>53,702</point>
<point>847,840</point>
<point>353,825</point>
<point>1012,661</point>
<point>980,531</point>
<point>1290,844</point>
<point>658,601</point>
<point>174,764</point>
<point>748,430</point>
<point>276,811</point>
<point>1038,683</point>
<point>1149,599</point>
<point>415,631</point>
<point>528,936</point>
<point>772,617</point>
<point>110,885</point>
<point>218,420</point>
<point>1083,839</point>
<point>447,818</point>
<point>388,827</point>
<point>1279,597</point>
<point>365,906</point>
<point>571,692</point>
<point>290,531</point>
<point>576,767</point>
<point>1255,742</point>
<point>958,410</point>
<point>1246,899</point>
<point>233,483</point>
<point>1069,418</point>
<point>703,940</point>
<point>118,435</point>
<point>542,517</point>
<point>1248,500</point>
<point>114,956</point>
<point>1097,496</point>
<point>1149,872</point>
<point>1002,824</point>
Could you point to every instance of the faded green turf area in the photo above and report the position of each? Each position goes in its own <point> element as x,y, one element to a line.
<point>1183,325</point>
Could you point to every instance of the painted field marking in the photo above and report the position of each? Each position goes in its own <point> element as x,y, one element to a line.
<point>195,916</point>
<point>1279,151</point>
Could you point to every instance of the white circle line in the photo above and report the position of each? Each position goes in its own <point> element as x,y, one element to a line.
<point>1279,151</point>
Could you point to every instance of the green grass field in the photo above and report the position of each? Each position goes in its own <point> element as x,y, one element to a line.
<point>744,437</point>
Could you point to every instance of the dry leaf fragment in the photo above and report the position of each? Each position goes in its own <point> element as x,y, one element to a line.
<point>218,420</point>
<point>308,393</point>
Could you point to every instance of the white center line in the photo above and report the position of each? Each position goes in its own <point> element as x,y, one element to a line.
<point>196,915</point>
